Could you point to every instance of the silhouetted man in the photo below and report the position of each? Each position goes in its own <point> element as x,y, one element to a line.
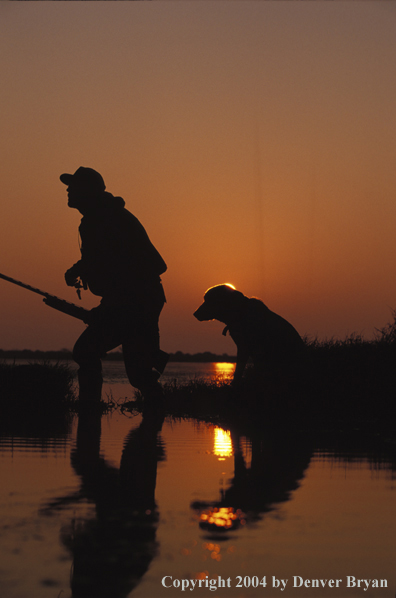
<point>120,264</point>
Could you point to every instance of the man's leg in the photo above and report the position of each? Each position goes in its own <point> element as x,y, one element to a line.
<point>88,351</point>
<point>144,362</point>
<point>140,354</point>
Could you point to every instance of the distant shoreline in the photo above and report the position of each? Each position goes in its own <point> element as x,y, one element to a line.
<point>178,357</point>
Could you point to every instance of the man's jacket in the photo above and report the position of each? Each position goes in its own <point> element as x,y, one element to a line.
<point>118,261</point>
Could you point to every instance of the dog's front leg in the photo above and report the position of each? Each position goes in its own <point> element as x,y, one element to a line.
<point>242,357</point>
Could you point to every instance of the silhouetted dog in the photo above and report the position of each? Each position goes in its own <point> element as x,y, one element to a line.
<point>260,334</point>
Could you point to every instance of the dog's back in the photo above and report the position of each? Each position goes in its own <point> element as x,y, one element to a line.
<point>265,335</point>
<point>269,340</point>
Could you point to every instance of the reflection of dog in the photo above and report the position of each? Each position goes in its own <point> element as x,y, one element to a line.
<point>259,333</point>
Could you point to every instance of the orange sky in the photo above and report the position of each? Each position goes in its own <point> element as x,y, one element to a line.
<point>256,142</point>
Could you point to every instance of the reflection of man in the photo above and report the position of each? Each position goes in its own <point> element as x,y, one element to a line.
<point>120,264</point>
<point>114,545</point>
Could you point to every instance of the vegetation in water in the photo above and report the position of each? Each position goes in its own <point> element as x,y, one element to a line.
<point>343,384</point>
<point>35,396</point>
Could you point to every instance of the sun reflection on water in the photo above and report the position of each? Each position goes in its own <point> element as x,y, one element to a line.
<point>224,370</point>
<point>222,443</point>
<point>222,518</point>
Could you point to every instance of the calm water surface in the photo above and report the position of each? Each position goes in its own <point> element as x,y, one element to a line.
<point>111,508</point>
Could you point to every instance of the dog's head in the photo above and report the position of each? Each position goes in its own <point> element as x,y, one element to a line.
<point>220,302</point>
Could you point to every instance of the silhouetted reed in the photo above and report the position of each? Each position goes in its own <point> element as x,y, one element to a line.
<point>342,385</point>
<point>345,384</point>
<point>35,395</point>
<point>353,382</point>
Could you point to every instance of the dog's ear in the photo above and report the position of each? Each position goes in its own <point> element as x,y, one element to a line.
<point>236,297</point>
<point>213,305</point>
<point>220,302</point>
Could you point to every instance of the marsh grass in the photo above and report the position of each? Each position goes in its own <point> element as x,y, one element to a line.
<point>341,385</point>
<point>196,399</point>
<point>35,395</point>
<point>345,384</point>
<point>354,381</point>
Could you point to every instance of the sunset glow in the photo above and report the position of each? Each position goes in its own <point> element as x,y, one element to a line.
<point>255,141</point>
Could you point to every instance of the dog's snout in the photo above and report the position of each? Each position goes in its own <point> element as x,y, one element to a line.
<point>201,314</point>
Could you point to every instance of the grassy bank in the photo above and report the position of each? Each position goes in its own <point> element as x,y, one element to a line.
<point>66,355</point>
<point>343,385</point>
<point>35,395</point>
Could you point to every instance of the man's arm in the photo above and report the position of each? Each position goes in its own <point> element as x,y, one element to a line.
<point>73,274</point>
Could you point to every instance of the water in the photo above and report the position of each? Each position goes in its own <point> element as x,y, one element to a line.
<point>115,380</point>
<point>120,507</point>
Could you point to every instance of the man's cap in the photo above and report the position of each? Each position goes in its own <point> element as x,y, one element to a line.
<point>86,177</point>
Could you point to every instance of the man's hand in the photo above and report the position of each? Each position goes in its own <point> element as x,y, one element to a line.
<point>73,274</point>
<point>71,277</point>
